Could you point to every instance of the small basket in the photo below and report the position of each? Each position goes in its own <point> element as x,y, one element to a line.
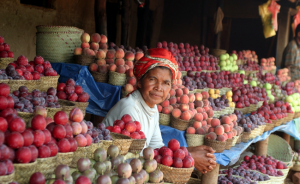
<point>289,117</point>
<point>179,124</point>
<point>217,52</point>
<point>216,145</point>
<point>183,73</point>
<point>194,139</point>
<point>259,104</point>
<point>66,106</point>
<point>100,77</point>
<point>239,140</point>
<point>52,111</point>
<point>234,140</point>
<point>276,122</point>
<point>164,119</point>
<point>194,181</point>
<point>84,60</point>
<point>82,106</point>
<point>4,62</point>
<point>33,84</point>
<point>117,79</point>
<point>176,175</point>
<point>228,144</point>
<point>79,153</point>
<point>261,129</point>
<point>296,115</point>
<point>26,116</point>
<point>268,127</point>
<point>137,146</point>
<point>47,82</point>
<point>122,141</point>
<point>252,108</point>
<point>246,136</point>
<point>64,158</point>
<point>91,149</point>
<point>15,84</point>
<point>106,144</point>
<point>23,172</point>
<point>7,178</point>
<point>46,166</point>
<point>243,110</point>
<point>217,114</point>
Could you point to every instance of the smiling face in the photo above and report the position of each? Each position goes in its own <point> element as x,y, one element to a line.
<point>155,85</point>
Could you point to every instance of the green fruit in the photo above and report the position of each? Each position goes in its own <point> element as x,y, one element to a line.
<point>234,57</point>
<point>253,83</point>
<point>268,86</point>
<point>223,57</point>
<point>114,179</point>
<point>76,175</point>
<point>222,63</point>
<point>100,155</point>
<point>100,167</point>
<point>231,58</point>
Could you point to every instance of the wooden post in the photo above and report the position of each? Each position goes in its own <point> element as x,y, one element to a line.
<point>261,147</point>
<point>211,177</point>
<point>100,17</point>
<point>125,22</point>
<point>286,137</point>
<point>204,22</point>
<point>157,6</point>
<point>218,35</point>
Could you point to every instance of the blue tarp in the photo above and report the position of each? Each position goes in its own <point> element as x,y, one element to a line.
<point>102,96</point>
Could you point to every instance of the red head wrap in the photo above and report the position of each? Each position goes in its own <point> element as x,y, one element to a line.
<point>153,58</point>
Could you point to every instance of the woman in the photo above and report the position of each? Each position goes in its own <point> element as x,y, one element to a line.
<point>154,73</point>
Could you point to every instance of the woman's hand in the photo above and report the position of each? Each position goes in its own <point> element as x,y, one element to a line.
<point>205,160</point>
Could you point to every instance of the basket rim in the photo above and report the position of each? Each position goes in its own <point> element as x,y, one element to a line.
<point>60,32</point>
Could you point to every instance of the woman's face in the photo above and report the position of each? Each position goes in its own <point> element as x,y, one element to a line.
<point>155,86</point>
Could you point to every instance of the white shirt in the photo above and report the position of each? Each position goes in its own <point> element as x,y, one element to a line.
<point>135,106</point>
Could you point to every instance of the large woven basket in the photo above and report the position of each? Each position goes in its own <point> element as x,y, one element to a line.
<point>79,153</point>
<point>82,106</point>
<point>246,136</point>
<point>277,122</point>
<point>4,62</point>
<point>179,124</point>
<point>64,158</point>
<point>289,117</point>
<point>7,178</point>
<point>49,28</point>
<point>47,82</point>
<point>216,145</point>
<point>106,144</point>
<point>164,119</point>
<point>296,115</point>
<point>117,79</point>
<point>58,47</point>
<point>228,144</point>
<point>26,116</point>
<point>33,84</point>
<point>100,77</point>
<point>23,172</point>
<point>122,141</point>
<point>194,139</point>
<point>268,127</point>
<point>66,106</point>
<point>91,149</point>
<point>243,110</point>
<point>52,111</point>
<point>15,84</point>
<point>84,60</point>
<point>46,166</point>
<point>176,175</point>
<point>137,146</point>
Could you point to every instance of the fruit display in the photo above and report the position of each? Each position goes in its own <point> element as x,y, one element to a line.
<point>189,57</point>
<point>229,178</point>
<point>249,175</point>
<point>252,122</point>
<point>294,101</point>
<point>228,63</point>
<point>268,64</point>
<point>70,91</point>
<point>297,85</point>
<point>98,133</point>
<point>27,102</point>
<point>245,55</point>
<point>5,49</point>
<point>250,66</point>
<point>128,127</point>
<point>283,75</point>
<point>91,49</point>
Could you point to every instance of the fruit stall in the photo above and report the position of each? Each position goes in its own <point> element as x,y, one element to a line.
<point>225,101</point>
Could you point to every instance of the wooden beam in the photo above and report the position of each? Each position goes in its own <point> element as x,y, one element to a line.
<point>125,22</point>
<point>261,147</point>
<point>100,17</point>
<point>157,6</point>
<point>218,35</point>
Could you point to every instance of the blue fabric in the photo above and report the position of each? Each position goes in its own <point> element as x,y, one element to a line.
<point>169,133</point>
<point>102,96</point>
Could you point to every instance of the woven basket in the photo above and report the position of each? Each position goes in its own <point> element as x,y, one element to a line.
<point>217,52</point>
<point>46,166</point>
<point>16,84</point>
<point>289,117</point>
<point>252,108</point>
<point>296,115</point>
<point>269,126</point>
<point>106,144</point>
<point>164,119</point>
<point>239,140</point>
<point>81,105</point>
<point>64,158</point>
<point>259,104</point>
<point>176,175</point>
<point>122,141</point>
<point>52,111</point>
<point>246,136</point>
<point>58,46</point>
<point>79,153</point>
<point>183,73</point>
<point>23,172</point>
<point>47,28</point>
<point>100,77</point>
<point>7,178</point>
<point>26,117</point>
<point>137,146</point>
<point>296,167</point>
<point>33,84</point>
<point>234,140</point>
<point>217,114</point>
<point>243,110</point>
<point>66,106</point>
<point>179,124</point>
<point>194,181</point>
<point>261,129</point>
<point>228,144</point>
<point>91,149</point>
<point>277,122</point>
<point>117,79</point>
<point>162,182</point>
<point>279,149</point>
<point>84,60</point>
<point>194,139</point>
<point>216,145</point>
<point>124,93</point>
<point>47,82</point>
<point>4,62</point>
